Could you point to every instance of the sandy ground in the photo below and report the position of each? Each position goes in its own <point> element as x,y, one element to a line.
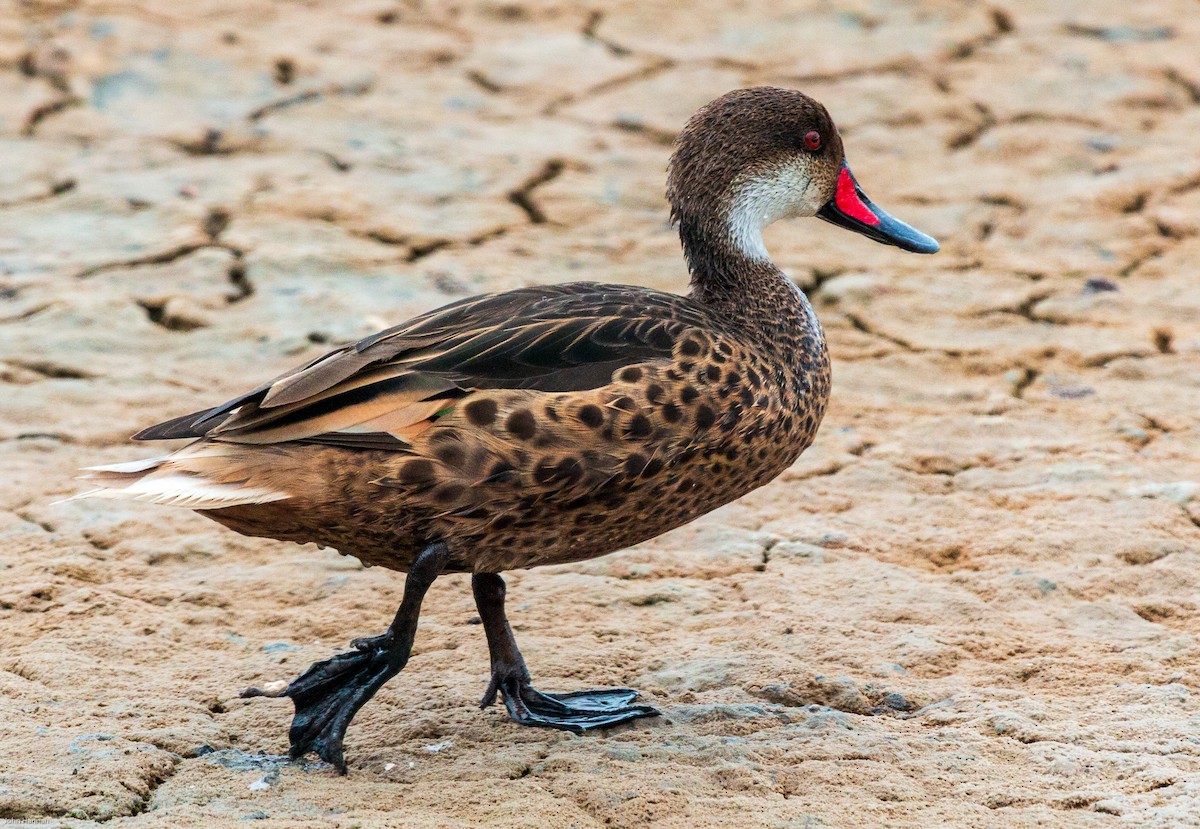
<point>995,540</point>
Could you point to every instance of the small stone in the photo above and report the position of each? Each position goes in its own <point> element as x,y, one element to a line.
<point>273,688</point>
<point>1072,392</point>
<point>1103,144</point>
<point>1097,285</point>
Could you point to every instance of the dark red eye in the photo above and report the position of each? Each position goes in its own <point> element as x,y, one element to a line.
<point>812,140</point>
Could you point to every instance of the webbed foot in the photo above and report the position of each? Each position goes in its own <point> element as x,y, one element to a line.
<point>329,694</point>
<point>576,711</point>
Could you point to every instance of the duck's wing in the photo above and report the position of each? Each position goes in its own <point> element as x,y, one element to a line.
<point>381,391</point>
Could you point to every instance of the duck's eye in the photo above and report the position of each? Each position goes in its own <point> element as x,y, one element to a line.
<point>812,140</point>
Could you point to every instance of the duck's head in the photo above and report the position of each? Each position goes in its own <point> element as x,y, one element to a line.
<point>754,156</point>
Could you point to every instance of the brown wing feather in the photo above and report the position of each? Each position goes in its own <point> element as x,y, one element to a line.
<point>388,387</point>
<point>312,379</point>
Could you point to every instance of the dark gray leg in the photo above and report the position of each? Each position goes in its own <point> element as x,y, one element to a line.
<point>329,693</point>
<point>577,711</point>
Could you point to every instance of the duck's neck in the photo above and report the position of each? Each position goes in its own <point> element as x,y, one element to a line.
<point>732,274</point>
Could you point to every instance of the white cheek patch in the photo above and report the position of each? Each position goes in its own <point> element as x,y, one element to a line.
<point>759,200</point>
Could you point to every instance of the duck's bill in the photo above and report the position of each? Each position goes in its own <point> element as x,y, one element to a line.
<point>850,208</point>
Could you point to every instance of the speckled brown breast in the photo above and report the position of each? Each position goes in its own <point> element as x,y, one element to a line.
<point>518,478</point>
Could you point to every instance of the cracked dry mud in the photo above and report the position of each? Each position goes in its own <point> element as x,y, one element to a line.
<point>973,603</point>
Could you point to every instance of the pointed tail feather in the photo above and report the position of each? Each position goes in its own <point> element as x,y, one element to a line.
<point>189,478</point>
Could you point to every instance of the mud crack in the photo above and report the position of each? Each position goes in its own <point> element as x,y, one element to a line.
<point>859,324</point>
<point>591,32</point>
<point>1026,308</point>
<point>1025,379</point>
<point>243,288</point>
<point>1134,264</point>
<point>522,196</point>
<point>46,110</point>
<point>899,66</point>
<point>1190,87</point>
<point>158,258</point>
<point>335,90</point>
<point>657,66</point>
<point>1002,25</point>
<point>51,371</point>
<point>56,188</point>
<point>215,222</point>
<point>420,247</point>
<point>986,120</point>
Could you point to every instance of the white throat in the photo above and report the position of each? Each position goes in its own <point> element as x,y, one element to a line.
<point>759,200</point>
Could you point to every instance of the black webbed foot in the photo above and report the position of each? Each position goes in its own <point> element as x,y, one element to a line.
<point>576,711</point>
<point>329,694</point>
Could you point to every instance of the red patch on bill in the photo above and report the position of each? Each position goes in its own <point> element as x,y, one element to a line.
<point>848,202</point>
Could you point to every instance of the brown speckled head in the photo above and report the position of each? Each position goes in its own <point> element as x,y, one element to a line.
<point>757,155</point>
<point>751,157</point>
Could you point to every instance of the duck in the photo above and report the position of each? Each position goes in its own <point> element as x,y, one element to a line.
<point>541,425</point>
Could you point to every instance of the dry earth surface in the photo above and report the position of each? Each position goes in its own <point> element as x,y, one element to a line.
<point>974,602</point>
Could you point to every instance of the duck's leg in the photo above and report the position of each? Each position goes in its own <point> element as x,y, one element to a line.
<point>329,693</point>
<point>577,711</point>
